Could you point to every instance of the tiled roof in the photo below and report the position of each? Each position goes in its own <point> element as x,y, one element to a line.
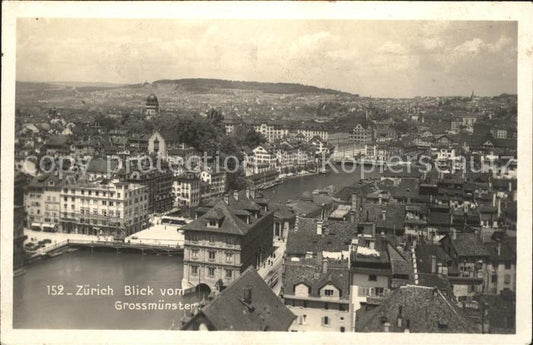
<point>229,222</point>
<point>427,310</point>
<point>228,311</point>
<point>312,276</point>
<point>394,216</point>
<point>337,236</point>
<point>469,244</point>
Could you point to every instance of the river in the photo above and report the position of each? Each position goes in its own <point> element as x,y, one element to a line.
<point>35,307</point>
<point>293,188</point>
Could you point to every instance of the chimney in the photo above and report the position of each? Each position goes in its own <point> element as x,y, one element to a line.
<point>236,194</point>
<point>499,203</point>
<point>247,190</point>
<point>499,247</point>
<point>439,268</point>
<point>383,214</point>
<point>510,186</point>
<point>296,222</point>
<point>454,234</point>
<point>386,327</point>
<point>493,199</point>
<point>433,264</point>
<point>319,225</point>
<point>247,295</point>
<point>407,326</point>
<point>226,198</point>
<point>324,265</point>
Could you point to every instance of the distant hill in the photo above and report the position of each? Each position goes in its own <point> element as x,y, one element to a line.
<point>212,85</point>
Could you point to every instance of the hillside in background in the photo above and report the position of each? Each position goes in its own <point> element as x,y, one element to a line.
<point>233,98</point>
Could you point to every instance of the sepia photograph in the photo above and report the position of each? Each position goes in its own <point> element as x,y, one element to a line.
<point>270,174</point>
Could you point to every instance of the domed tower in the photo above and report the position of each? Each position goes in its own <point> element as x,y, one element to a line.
<point>152,106</point>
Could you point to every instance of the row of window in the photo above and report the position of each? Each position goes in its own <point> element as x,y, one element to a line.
<point>211,272</point>
<point>95,202</point>
<point>211,255</point>
<point>90,192</point>
<point>211,237</point>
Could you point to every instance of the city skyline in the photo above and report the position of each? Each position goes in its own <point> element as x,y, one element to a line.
<point>384,59</point>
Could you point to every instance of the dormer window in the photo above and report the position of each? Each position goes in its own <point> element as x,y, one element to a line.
<point>212,223</point>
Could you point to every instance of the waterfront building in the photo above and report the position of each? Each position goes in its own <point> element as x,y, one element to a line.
<point>42,203</point>
<point>103,207</point>
<point>221,243</point>
<point>247,304</point>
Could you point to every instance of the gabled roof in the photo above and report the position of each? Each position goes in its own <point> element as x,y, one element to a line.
<point>229,222</point>
<point>426,308</point>
<point>265,312</point>
<point>312,276</point>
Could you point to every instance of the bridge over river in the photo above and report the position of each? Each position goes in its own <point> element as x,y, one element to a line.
<point>118,246</point>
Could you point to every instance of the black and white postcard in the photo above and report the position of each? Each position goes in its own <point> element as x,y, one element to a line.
<point>286,172</point>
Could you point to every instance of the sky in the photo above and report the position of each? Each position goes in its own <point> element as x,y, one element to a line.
<point>369,58</point>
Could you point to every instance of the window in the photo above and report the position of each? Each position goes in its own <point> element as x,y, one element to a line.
<point>471,288</point>
<point>212,238</point>
<point>111,203</point>
<point>507,279</point>
<point>211,272</point>
<point>212,255</point>
<point>228,273</point>
<point>325,321</point>
<point>194,253</point>
<point>118,195</point>
<point>194,270</point>
<point>118,214</point>
<point>372,277</point>
<point>326,306</point>
<point>494,278</point>
<point>328,292</point>
<point>507,265</point>
<point>229,257</point>
<point>104,202</point>
<point>212,223</point>
<point>342,329</point>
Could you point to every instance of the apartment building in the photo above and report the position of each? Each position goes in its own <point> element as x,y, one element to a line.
<point>42,203</point>
<point>318,294</point>
<point>111,208</point>
<point>216,181</point>
<point>220,244</point>
<point>186,189</point>
<point>159,186</point>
